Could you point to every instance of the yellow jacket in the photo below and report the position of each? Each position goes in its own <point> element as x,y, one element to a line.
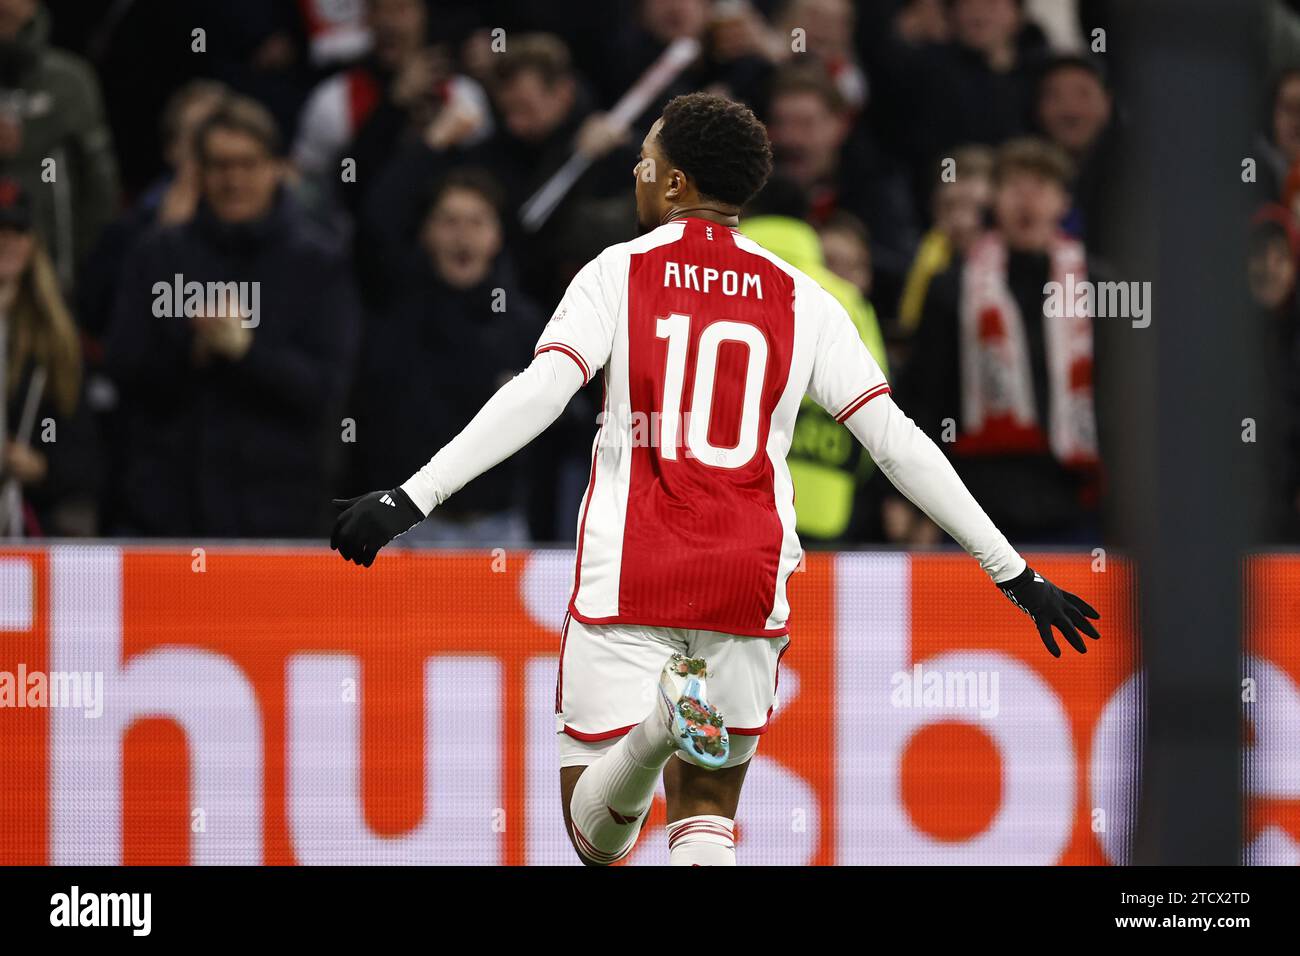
<point>826,462</point>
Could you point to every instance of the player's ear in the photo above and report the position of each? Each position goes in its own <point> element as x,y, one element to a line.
<point>676,186</point>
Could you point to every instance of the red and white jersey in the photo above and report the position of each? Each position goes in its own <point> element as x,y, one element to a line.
<point>708,343</point>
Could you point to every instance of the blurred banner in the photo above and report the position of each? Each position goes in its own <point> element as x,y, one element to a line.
<point>273,705</point>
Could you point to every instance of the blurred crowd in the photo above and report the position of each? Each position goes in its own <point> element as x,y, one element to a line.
<point>258,253</point>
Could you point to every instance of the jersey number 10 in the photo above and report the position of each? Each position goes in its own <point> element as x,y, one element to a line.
<point>676,328</point>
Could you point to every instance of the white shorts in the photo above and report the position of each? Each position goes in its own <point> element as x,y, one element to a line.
<point>609,678</point>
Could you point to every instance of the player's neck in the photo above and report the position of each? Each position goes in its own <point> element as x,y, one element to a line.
<point>709,213</point>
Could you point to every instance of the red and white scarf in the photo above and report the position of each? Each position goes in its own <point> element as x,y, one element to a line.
<point>999,413</point>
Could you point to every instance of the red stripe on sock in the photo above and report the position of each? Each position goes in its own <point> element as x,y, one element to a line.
<point>588,849</point>
<point>691,829</point>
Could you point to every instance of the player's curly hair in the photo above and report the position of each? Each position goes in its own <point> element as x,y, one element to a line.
<point>719,143</point>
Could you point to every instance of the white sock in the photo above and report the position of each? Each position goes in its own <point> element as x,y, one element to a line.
<point>704,840</point>
<point>614,793</point>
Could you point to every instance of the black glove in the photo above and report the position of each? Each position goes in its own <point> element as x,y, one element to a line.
<point>368,522</point>
<point>1050,607</point>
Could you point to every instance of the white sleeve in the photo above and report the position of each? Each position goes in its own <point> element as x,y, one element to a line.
<point>521,410</point>
<point>923,473</point>
<point>582,326</point>
<point>845,376</point>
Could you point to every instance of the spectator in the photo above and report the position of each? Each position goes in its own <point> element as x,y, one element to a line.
<point>824,32</point>
<point>403,83</point>
<point>978,88</point>
<point>828,31</point>
<point>960,205</point>
<point>475,29</point>
<point>1074,112</point>
<point>535,88</point>
<point>1274,251</point>
<point>990,70</point>
<point>736,56</point>
<point>546,114</point>
<point>1272,261</point>
<point>227,407</point>
<point>922,22</point>
<point>50,111</point>
<point>47,471</point>
<point>171,200</point>
<point>1282,152</point>
<point>1013,383</point>
<point>458,329</point>
<point>260,49</point>
<point>846,246</point>
<point>810,126</point>
<point>828,467</point>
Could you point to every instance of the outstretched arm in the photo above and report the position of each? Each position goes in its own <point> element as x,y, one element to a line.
<point>574,345</point>
<point>924,475</point>
<point>847,382</point>
<point>520,411</point>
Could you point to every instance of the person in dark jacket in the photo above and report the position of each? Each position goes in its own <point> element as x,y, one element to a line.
<point>456,328</point>
<point>816,147</point>
<point>258,48</point>
<point>364,112</point>
<point>170,199</point>
<point>978,88</point>
<point>545,116</point>
<point>232,345</point>
<point>1075,111</point>
<point>734,50</point>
